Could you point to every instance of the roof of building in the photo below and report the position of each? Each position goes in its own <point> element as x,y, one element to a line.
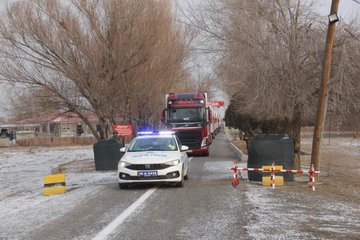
<point>67,117</point>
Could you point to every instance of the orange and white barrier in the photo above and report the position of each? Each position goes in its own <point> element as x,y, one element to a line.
<point>312,177</point>
<point>272,178</point>
<point>235,180</point>
<point>273,170</point>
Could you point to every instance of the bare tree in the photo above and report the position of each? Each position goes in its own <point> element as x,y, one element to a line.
<point>270,56</point>
<point>344,97</point>
<point>97,56</point>
<point>28,102</point>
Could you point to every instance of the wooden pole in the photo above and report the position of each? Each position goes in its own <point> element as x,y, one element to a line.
<point>324,89</point>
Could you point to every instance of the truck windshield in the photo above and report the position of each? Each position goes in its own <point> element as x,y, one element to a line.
<point>186,115</point>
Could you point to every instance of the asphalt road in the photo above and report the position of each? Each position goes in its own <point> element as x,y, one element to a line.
<point>207,207</point>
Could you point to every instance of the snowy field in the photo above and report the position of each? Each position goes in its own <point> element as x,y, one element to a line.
<point>22,170</point>
<point>22,205</point>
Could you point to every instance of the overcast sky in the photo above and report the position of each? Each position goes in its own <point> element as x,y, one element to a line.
<point>348,9</point>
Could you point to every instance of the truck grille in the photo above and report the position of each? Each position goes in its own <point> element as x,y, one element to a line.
<point>192,139</point>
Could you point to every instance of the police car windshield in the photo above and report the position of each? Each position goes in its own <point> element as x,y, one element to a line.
<point>153,143</point>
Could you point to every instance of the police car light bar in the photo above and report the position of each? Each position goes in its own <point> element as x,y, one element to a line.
<point>145,133</point>
<point>142,133</point>
<point>166,132</point>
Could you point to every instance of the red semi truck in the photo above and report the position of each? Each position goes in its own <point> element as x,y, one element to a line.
<point>189,116</point>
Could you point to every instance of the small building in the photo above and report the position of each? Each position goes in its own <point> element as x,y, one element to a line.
<point>18,131</point>
<point>61,125</point>
<point>52,125</point>
<point>49,130</point>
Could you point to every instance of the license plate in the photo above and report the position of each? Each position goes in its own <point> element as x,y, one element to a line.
<point>147,173</point>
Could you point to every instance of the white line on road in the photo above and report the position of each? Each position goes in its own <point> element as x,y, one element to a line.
<point>120,219</point>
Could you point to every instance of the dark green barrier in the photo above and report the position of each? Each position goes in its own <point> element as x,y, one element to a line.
<point>265,149</point>
<point>107,154</point>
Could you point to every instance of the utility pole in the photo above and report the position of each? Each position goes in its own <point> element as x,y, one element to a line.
<point>324,88</point>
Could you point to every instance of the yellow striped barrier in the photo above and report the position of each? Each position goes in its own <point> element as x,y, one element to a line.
<point>267,181</point>
<point>54,184</point>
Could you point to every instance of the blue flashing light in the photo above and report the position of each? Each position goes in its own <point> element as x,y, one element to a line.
<point>145,133</point>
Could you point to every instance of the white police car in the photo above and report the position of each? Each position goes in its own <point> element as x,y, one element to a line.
<point>152,158</point>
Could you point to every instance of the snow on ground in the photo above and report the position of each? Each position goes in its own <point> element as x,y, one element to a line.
<point>22,171</point>
<point>352,146</point>
<point>22,205</point>
<point>284,212</point>
<point>307,216</point>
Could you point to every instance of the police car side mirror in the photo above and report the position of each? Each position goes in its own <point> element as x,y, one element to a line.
<point>184,148</point>
<point>123,149</point>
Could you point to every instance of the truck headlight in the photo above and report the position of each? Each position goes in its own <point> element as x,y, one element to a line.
<point>204,142</point>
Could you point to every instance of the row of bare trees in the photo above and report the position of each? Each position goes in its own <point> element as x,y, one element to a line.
<point>270,55</point>
<point>113,58</point>
<point>117,58</point>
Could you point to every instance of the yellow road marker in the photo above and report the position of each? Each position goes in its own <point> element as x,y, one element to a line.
<point>54,184</point>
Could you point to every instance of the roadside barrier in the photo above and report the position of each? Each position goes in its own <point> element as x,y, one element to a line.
<point>235,180</point>
<point>54,184</point>
<point>273,169</point>
<point>273,180</point>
